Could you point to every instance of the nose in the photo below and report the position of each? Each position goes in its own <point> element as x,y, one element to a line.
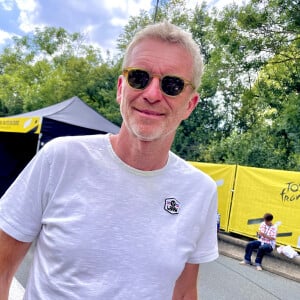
<point>152,92</point>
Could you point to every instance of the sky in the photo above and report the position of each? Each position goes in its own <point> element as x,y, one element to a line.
<point>101,21</point>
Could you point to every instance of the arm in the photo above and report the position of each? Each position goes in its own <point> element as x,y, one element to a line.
<point>266,236</point>
<point>11,254</point>
<point>268,233</point>
<point>186,285</point>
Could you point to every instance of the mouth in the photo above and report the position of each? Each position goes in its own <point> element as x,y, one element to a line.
<point>149,112</point>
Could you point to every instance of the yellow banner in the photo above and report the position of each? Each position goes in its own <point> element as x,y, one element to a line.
<point>258,191</point>
<point>20,124</point>
<point>224,177</point>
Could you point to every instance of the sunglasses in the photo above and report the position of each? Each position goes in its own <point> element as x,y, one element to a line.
<point>170,85</point>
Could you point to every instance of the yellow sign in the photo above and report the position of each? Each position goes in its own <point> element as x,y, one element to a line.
<point>20,124</point>
<point>258,191</point>
<point>223,175</point>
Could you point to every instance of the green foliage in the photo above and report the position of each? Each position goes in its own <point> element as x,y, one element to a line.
<point>256,148</point>
<point>134,25</point>
<point>249,107</point>
<point>174,11</point>
<point>52,65</point>
<point>255,63</point>
<point>198,130</point>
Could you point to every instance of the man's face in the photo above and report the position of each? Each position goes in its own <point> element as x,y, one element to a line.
<point>149,114</point>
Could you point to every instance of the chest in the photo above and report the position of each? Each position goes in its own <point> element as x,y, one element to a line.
<point>96,228</point>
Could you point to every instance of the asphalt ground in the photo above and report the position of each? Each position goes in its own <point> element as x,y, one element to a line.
<point>226,279</point>
<point>234,247</point>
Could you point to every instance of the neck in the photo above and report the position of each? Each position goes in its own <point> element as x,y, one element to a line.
<point>141,155</point>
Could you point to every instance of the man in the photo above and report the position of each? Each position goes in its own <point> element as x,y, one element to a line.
<point>119,216</point>
<point>265,244</point>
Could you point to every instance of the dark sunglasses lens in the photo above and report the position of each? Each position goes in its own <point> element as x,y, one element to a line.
<point>172,85</point>
<point>138,79</point>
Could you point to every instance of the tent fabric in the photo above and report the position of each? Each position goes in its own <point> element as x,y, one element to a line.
<point>52,129</point>
<point>75,112</point>
<point>70,117</point>
<point>16,149</point>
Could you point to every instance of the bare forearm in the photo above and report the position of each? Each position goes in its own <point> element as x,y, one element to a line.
<point>11,254</point>
<point>6,274</point>
<point>4,288</point>
<point>192,295</point>
<point>186,284</point>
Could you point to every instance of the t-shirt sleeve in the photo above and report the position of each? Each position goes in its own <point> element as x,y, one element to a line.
<point>21,207</point>
<point>207,245</point>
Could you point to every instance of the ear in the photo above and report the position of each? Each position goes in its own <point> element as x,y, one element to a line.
<point>119,88</point>
<point>191,105</point>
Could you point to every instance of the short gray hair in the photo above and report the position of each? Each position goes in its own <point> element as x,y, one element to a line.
<point>168,32</point>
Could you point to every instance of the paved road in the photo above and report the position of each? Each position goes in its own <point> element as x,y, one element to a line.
<point>225,279</point>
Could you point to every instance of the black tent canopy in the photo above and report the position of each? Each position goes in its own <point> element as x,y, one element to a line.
<point>70,117</point>
<point>21,136</point>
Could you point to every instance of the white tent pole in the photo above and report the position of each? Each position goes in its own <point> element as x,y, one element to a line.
<point>39,142</point>
<point>40,137</point>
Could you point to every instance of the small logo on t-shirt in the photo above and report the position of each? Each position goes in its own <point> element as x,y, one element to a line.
<point>172,206</point>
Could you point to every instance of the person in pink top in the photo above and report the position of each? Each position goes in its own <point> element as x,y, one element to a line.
<point>265,244</point>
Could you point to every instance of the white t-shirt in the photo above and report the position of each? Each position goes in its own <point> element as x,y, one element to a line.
<point>105,230</point>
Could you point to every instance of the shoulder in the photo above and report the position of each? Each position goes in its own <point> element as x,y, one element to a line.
<point>262,224</point>
<point>67,141</point>
<point>72,148</point>
<point>73,143</point>
<point>274,228</point>
<point>189,172</point>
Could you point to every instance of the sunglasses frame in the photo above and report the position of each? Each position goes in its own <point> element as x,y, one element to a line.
<point>126,71</point>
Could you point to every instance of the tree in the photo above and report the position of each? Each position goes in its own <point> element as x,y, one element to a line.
<point>52,65</point>
<point>249,96</point>
<point>277,98</point>
<point>259,51</point>
<point>175,11</point>
<point>197,132</point>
